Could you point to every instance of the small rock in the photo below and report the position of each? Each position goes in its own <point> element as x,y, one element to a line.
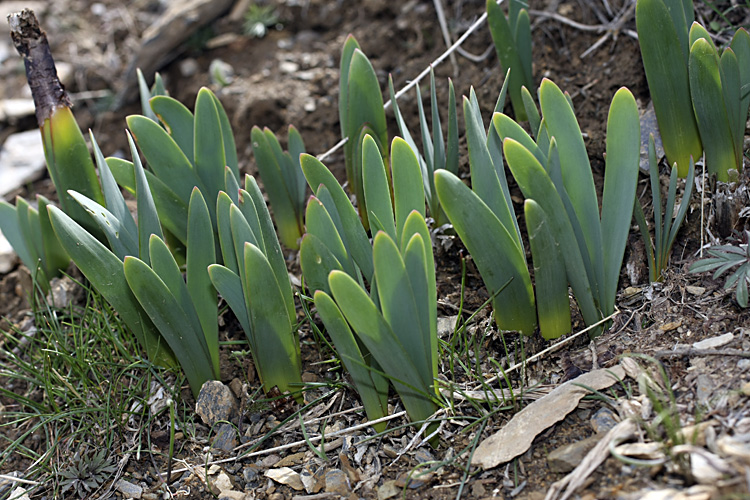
<point>313,481</point>
<point>695,290</point>
<point>189,67</point>
<point>388,490</point>
<point>745,389</point>
<point>603,420</point>
<point>226,438</point>
<point>337,482</point>
<point>714,342</point>
<point>478,490</point>
<point>128,489</point>
<point>7,256</point>
<point>288,67</point>
<point>223,482</point>
<point>287,476</point>
<point>566,458</point>
<point>14,109</point>
<point>704,388</point>
<point>19,494</point>
<point>21,160</point>
<point>216,402</point>
<point>293,459</point>
<point>446,325</point>
<point>250,473</point>
<point>236,386</point>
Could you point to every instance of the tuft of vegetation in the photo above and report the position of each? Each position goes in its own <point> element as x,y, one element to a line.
<point>726,257</point>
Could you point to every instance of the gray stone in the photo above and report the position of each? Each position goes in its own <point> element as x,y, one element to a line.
<point>216,402</point>
<point>128,489</point>
<point>603,420</point>
<point>388,490</point>
<point>226,438</point>
<point>337,482</point>
<point>566,458</point>
<point>21,160</point>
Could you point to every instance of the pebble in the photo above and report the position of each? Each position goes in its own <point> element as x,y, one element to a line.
<point>388,490</point>
<point>337,482</point>
<point>250,473</point>
<point>215,402</point>
<point>287,476</point>
<point>603,420</point>
<point>566,458</point>
<point>189,67</point>
<point>128,489</point>
<point>226,438</point>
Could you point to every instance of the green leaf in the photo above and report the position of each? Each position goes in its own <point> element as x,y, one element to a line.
<point>408,191</point>
<point>11,229</point>
<point>398,304</point>
<point>164,157</point>
<point>182,335</point>
<point>148,218</point>
<point>708,102</point>
<point>484,179</point>
<point>536,185</point>
<point>552,302</point>
<point>376,189</point>
<point>229,285</point>
<point>277,180</point>
<point>576,171</point>
<point>145,94</point>
<point>505,46</point>
<point>414,263</point>
<point>741,47</point>
<point>620,181</point>
<point>353,234</point>
<point>371,386</point>
<point>664,51</point>
<point>320,225</point>
<point>384,345</point>
<point>171,209</point>
<point>346,59</point>
<point>201,253</point>
<point>113,198</point>
<point>278,359</point>
<point>178,120</point>
<point>105,271</point>
<point>224,230</point>
<point>227,137</point>
<point>208,141</point>
<point>317,261</point>
<point>297,148</point>
<point>120,241</point>
<point>271,248</point>
<point>500,261</point>
<point>506,127</point>
<point>55,257</point>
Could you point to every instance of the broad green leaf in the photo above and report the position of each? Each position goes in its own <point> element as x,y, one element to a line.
<point>182,335</point>
<point>696,32</point>
<point>272,249</point>
<point>208,143</point>
<point>145,95</point>
<point>398,304</point>
<point>27,230</point>
<point>576,170</point>
<point>105,271</point>
<point>227,137</point>
<point>148,218</point>
<point>296,148</point>
<point>224,230</point>
<point>730,85</point>
<point>317,261</point>
<point>371,386</point>
<point>708,102</point>
<point>664,51</point>
<point>376,189</point>
<point>505,46</point>
<point>451,162</point>
<point>170,207</point>
<point>408,191</point>
<point>414,262</point>
<point>320,225</point>
<point>741,47</point>
<point>242,233</point>
<point>178,120</point>
<point>484,179</point>
<point>120,241</point>
<point>69,164</point>
<point>354,235</point>
<point>278,359</point>
<point>164,157</point>
<point>385,346</point>
<point>523,45</point>
<point>277,183</point>
<point>495,252</point>
<point>552,302</point>
<point>11,229</point>
<point>507,127</point>
<point>346,59</point>
<point>536,185</point>
<point>620,181</point>
<point>532,112</point>
<point>229,286</point>
<point>113,198</point>
<point>201,253</point>
<point>55,257</point>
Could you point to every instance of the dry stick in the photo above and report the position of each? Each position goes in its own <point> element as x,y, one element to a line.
<point>446,33</point>
<point>692,351</point>
<point>548,350</point>
<point>416,80</point>
<point>313,439</point>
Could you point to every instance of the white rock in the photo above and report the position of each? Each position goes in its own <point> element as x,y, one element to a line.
<point>7,255</point>
<point>11,109</point>
<point>21,160</point>
<point>714,342</point>
<point>287,476</point>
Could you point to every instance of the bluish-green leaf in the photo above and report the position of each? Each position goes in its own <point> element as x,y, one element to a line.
<point>208,143</point>
<point>179,122</point>
<point>229,285</point>
<point>376,189</point>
